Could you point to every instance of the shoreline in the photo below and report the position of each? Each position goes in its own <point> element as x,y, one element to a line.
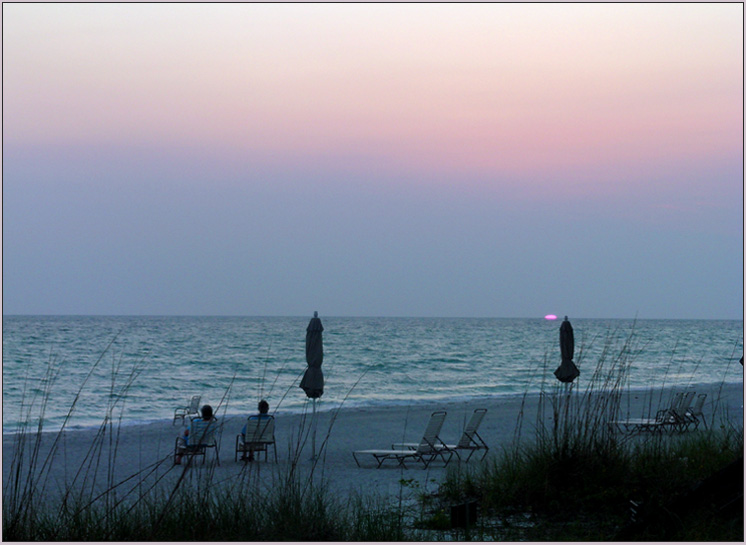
<point>375,405</point>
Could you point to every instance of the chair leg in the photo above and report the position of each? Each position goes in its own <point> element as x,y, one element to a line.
<point>450,457</point>
<point>452,452</point>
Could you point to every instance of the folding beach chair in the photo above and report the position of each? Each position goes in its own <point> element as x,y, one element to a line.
<point>201,437</point>
<point>470,439</point>
<point>260,435</point>
<point>694,414</point>
<point>425,452</point>
<point>190,410</point>
<point>676,415</point>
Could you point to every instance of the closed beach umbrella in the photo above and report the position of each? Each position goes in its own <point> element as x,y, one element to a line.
<point>313,379</point>
<point>567,371</point>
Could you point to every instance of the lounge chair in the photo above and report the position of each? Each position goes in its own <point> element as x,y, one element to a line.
<point>425,452</point>
<point>470,439</point>
<point>677,415</point>
<point>188,411</point>
<point>668,419</point>
<point>201,437</point>
<point>694,414</point>
<point>260,434</point>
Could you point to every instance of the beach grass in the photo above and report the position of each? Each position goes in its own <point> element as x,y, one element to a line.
<point>579,497</point>
<point>577,478</point>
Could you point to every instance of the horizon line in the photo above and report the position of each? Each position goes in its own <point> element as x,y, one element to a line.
<point>398,316</point>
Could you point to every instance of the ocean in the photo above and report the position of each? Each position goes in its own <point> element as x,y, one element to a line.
<point>139,369</point>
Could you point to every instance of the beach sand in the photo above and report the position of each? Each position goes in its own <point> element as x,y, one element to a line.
<point>144,453</point>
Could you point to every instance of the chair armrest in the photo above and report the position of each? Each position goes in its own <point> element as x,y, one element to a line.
<point>262,442</point>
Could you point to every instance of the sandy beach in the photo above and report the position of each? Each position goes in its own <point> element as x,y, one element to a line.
<point>146,452</point>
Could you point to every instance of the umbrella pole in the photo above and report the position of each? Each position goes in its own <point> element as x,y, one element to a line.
<point>313,437</point>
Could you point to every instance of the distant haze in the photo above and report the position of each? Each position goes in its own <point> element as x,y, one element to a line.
<point>508,160</point>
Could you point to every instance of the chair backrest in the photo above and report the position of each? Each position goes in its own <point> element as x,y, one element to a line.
<point>260,430</point>
<point>471,428</point>
<point>430,437</point>
<point>683,405</point>
<point>201,432</point>
<point>696,409</point>
<point>194,404</point>
<point>673,404</point>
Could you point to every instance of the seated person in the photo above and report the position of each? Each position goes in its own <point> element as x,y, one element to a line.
<point>262,415</point>
<point>196,429</point>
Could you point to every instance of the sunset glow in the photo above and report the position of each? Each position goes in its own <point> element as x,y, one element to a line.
<point>558,88</point>
<point>504,136</point>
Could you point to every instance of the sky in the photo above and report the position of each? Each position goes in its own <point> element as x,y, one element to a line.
<point>478,160</point>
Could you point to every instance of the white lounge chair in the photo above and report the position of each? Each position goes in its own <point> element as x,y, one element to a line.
<point>425,452</point>
<point>470,439</point>
<point>694,414</point>
<point>201,437</point>
<point>260,434</point>
<point>668,419</point>
<point>677,415</point>
<point>188,411</point>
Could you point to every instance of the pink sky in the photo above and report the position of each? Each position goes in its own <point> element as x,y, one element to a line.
<point>484,88</point>
<point>635,108</point>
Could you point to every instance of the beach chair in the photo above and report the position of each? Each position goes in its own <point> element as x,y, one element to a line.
<point>425,452</point>
<point>694,413</point>
<point>676,415</point>
<point>665,419</point>
<point>469,441</point>
<point>201,437</point>
<point>188,411</point>
<point>260,435</point>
